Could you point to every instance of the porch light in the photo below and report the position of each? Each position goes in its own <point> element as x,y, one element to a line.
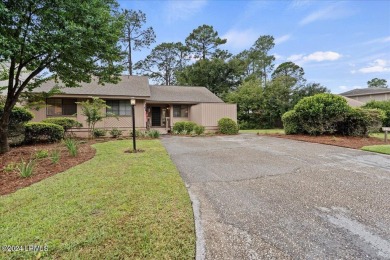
<point>132,102</point>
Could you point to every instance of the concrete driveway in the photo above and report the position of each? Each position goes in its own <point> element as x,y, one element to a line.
<point>269,198</point>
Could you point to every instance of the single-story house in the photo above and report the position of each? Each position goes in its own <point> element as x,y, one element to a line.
<point>367,94</point>
<point>157,107</point>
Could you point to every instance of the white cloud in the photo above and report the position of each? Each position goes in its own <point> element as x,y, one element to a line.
<point>282,38</point>
<point>378,65</point>
<point>334,11</point>
<point>317,56</point>
<point>240,39</point>
<point>278,57</point>
<point>183,10</point>
<point>298,4</point>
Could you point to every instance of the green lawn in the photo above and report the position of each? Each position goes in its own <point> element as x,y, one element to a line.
<point>379,135</point>
<point>262,131</point>
<point>115,206</point>
<point>377,148</point>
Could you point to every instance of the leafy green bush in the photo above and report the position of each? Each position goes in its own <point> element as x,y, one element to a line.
<point>383,105</point>
<point>153,134</point>
<point>199,129</point>
<point>26,168</point>
<point>43,132</point>
<point>99,132</point>
<point>227,126</point>
<point>321,113</point>
<point>291,123</point>
<point>360,122</point>
<point>42,154</point>
<point>115,132</point>
<point>16,130</point>
<point>189,126</point>
<point>72,145</point>
<point>65,122</point>
<point>179,127</point>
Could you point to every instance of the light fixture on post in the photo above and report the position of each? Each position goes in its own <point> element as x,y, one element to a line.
<point>132,103</point>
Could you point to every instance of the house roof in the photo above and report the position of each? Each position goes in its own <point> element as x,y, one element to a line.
<point>353,102</point>
<point>132,86</point>
<point>365,91</point>
<point>182,94</point>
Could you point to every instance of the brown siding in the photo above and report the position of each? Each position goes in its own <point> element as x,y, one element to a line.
<point>367,98</point>
<point>123,123</point>
<point>208,114</point>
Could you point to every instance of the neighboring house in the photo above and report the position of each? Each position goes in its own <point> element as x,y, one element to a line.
<point>367,94</point>
<point>157,107</point>
<point>353,102</point>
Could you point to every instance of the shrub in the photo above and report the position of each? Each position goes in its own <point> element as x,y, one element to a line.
<point>199,129</point>
<point>65,122</point>
<point>10,167</point>
<point>179,127</point>
<point>115,132</point>
<point>26,168</point>
<point>291,123</point>
<point>41,154</point>
<point>16,130</point>
<point>154,134</point>
<point>321,113</point>
<point>189,126</point>
<point>99,132</point>
<point>55,156</point>
<point>359,122</point>
<point>382,105</point>
<point>227,126</point>
<point>72,146</point>
<point>43,132</point>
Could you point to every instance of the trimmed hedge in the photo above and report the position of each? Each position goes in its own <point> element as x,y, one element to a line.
<point>227,126</point>
<point>65,122</point>
<point>382,105</point>
<point>199,129</point>
<point>43,132</point>
<point>186,127</point>
<point>291,123</point>
<point>99,132</point>
<point>330,114</point>
<point>321,113</point>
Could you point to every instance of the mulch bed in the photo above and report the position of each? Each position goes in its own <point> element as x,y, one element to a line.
<point>10,181</point>
<point>343,141</point>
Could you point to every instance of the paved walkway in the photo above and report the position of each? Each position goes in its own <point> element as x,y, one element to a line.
<point>269,198</point>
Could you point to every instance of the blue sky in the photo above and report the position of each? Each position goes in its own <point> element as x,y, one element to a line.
<point>340,44</point>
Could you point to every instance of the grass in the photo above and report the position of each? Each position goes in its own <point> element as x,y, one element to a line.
<point>380,135</point>
<point>262,131</point>
<point>385,149</point>
<point>114,206</point>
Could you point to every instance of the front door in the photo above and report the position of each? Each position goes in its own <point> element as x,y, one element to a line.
<point>156,116</point>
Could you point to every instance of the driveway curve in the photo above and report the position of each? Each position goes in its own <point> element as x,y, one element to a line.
<point>271,198</point>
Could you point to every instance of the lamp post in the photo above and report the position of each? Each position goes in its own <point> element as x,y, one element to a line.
<point>132,102</point>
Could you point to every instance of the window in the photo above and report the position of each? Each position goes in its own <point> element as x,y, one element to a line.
<point>61,107</point>
<point>119,107</point>
<point>180,111</point>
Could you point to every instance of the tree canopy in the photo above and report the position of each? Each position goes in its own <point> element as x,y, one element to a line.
<point>134,37</point>
<point>71,40</point>
<point>377,83</point>
<point>204,41</point>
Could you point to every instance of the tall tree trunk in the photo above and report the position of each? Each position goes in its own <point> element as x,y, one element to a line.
<point>129,55</point>
<point>4,122</point>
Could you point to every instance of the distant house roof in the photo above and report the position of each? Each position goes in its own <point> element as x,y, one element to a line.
<point>182,94</point>
<point>132,86</point>
<point>365,92</point>
<point>353,102</point>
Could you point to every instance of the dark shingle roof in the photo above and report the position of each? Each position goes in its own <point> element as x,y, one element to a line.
<point>182,94</point>
<point>365,91</point>
<point>133,86</point>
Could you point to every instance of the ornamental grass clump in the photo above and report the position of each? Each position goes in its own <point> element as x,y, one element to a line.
<point>72,146</point>
<point>26,168</point>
